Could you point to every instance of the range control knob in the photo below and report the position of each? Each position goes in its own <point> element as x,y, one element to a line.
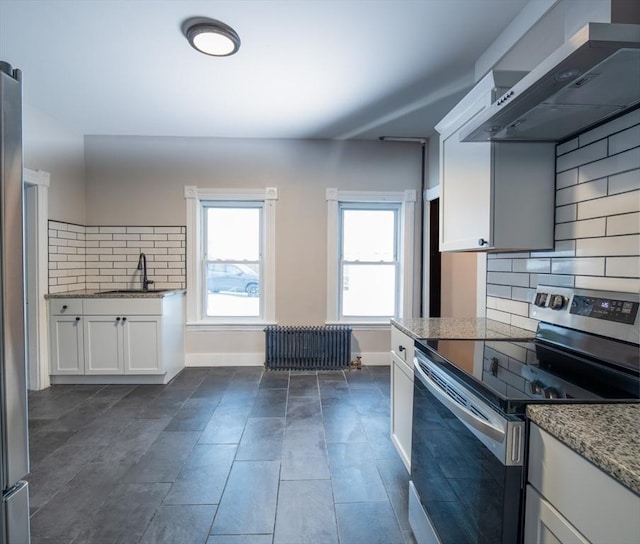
<point>541,300</point>
<point>557,302</point>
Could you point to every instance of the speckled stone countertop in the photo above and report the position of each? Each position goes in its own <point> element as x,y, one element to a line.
<point>92,293</point>
<point>465,328</point>
<point>608,435</point>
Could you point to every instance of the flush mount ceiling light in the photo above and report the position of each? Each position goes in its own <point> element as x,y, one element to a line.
<point>211,37</point>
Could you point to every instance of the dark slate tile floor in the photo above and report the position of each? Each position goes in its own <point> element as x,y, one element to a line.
<point>233,455</point>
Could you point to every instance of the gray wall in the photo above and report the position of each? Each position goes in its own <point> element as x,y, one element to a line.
<point>140,181</point>
<point>55,148</point>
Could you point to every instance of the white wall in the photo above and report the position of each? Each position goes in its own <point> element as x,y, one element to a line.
<point>140,181</point>
<point>51,146</point>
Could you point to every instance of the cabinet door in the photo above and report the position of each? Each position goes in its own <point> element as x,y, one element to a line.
<point>545,525</point>
<point>465,199</point>
<point>103,344</point>
<point>141,338</point>
<point>67,352</point>
<point>401,408</point>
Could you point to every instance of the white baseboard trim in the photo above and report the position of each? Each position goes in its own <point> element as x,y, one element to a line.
<point>257,359</point>
<point>374,358</point>
<point>225,359</point>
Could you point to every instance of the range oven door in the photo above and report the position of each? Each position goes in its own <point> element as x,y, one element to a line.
<point>466,464</point>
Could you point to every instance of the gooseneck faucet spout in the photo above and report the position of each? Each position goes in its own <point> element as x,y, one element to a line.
<point>142,265</point>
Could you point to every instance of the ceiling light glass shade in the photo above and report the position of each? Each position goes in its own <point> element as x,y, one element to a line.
<point>212,37</point>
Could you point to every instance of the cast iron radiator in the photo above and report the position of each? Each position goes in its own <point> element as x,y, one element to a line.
<point>307,348</point>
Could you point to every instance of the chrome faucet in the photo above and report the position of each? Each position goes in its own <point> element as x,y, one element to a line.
<point>142,265</point>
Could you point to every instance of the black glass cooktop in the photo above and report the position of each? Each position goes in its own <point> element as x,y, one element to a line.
<point>511,375</point>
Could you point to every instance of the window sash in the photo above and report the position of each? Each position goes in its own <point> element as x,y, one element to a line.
<point>205,261</point>
<point>395,262</point>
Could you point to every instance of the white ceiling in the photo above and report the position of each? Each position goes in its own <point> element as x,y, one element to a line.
<point>305,69</point>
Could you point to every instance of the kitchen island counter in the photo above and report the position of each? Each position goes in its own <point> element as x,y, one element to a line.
<point>460,328</point>
<point>608,435</point>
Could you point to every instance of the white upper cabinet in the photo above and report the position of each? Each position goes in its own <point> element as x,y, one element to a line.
<point>493,196</point>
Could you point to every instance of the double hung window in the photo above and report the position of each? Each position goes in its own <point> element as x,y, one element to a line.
<point>230,255</point>
<point>370,255</point>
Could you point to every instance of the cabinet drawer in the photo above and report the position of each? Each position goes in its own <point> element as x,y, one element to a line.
<point>123,306</point>
<point>65,306</point>
<point>402,346</point>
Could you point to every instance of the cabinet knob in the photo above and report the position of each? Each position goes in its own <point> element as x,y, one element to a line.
<point>401,348</point>
<point>117,319</point>
<point>64,307</point>
<point>124,319</point>
<point>482,242</point>
<point>77,319</point>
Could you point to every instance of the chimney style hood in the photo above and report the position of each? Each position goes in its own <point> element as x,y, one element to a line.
<point>591,77</point>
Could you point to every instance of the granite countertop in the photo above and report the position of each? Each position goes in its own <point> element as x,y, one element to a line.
<point>608,435</point>
<point>460,328</point>
<point>94,293</point>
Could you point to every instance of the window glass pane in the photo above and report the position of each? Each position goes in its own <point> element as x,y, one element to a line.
<point>233,234</point>
<point>233,289</point>
<point>368,290</point>
<point>368,235</point>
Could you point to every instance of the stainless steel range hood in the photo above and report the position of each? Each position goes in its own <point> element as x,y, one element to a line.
<point>591,77</point>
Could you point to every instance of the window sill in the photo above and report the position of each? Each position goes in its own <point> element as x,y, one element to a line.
<point>356,325</point>
<point>228,326</point>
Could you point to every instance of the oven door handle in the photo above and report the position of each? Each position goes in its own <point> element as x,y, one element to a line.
<point>461,412</point>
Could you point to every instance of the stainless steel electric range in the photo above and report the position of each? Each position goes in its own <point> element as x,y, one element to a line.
<point>469,443</point>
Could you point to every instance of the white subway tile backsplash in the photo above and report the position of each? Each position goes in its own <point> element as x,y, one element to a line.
<point>610,205</point>
<point>628,160</point>
<point>499,265</point>
<point>513,307</point>
<point>532,265</point>
<point>581,229</point>
<point>567,146</point>
<point>140,230</point>
<point>625,267</point>
<point>508,278</point>
<point>503,291</point>
<point>523,294</point>
<point>557,280</point>
<point>524,322</point>
<point>563,248</point>
<point>583,155</point>
<point>624,140</point>
<point>582,192</point>
<point>107,257</point>
<point>623,224</point>
<point>564,214</point>
<point>566,179</point>
<point>626,285</point>
<point>611,127</point>
<point>608,246</point>
<point>113,230</point>
<point>627,181</point>
<point>586,267</point>
<point>496,315</point>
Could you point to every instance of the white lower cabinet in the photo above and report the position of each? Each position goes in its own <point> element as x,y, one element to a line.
<point>67,348</point>
<point>545,525</point>
<point>117,340</point>
<point>121,345</point>
<point>571,501</point>
<point>402,394</point>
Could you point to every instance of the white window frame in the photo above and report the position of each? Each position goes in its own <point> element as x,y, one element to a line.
<point>407,200</point>
<point>197,200</point>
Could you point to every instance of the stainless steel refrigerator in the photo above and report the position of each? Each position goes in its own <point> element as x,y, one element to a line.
<point>14,453</point>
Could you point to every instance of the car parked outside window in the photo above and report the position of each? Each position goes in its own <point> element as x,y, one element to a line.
<point>232,278</point>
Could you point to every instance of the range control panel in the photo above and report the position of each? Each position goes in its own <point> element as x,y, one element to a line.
<point>600,312</point>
